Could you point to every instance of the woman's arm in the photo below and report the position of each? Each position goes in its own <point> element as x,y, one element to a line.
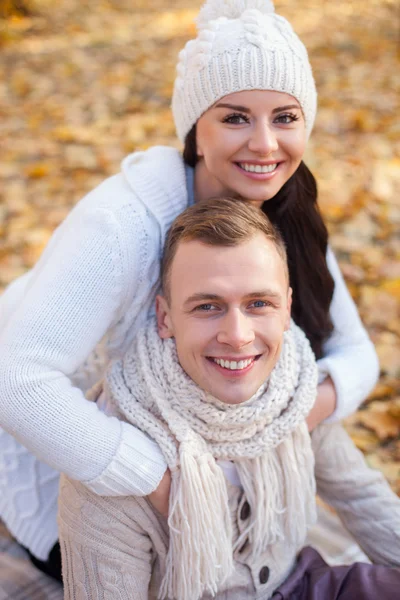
<point>362,498</point>
<point>66,305</point>
<point>324,405</point>
<point>350,363</point>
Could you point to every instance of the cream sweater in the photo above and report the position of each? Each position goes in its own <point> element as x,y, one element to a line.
<point>117,546</point>
<point>80,307</point>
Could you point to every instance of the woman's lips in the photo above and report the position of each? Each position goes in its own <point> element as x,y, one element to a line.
<point>257,176</point>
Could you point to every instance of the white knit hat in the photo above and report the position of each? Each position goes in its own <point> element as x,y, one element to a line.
<point>241,45</point>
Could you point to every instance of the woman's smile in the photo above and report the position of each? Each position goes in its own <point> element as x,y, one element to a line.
<point>258,171</point>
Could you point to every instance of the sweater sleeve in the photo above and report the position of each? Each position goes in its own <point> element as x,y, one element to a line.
<point>54,317</point>
<point>349,355</point>
<point>367,506</point>
<point>106,552</point>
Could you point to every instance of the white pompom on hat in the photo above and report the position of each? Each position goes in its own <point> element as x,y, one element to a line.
<point>241,45</point>
<point>232,9</point>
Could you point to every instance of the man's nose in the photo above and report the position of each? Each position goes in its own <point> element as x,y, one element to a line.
<point>263,140</point>
<point>235,329</point>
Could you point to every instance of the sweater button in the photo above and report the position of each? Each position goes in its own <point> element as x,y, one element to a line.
<point>264,575</point>
<point>245,511</point>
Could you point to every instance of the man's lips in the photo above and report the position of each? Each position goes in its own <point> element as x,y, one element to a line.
<point>237,366</point>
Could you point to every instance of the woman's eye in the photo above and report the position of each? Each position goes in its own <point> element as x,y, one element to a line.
<point>236,119</point>
<point>286,118</point>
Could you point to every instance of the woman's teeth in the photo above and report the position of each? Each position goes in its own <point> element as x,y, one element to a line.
<point>233,365</point>
<point>258,168</point>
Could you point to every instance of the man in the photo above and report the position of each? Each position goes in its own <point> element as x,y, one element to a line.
<point>223,382</point>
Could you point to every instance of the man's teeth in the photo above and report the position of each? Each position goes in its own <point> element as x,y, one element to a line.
<point>258,168</point>
<point>233,365</point>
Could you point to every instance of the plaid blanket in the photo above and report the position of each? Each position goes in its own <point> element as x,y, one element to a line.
<point>19,579</point>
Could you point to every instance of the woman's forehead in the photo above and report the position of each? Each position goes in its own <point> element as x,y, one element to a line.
<point>252,97</point>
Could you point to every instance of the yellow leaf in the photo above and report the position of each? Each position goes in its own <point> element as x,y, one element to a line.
<point>383,424</point>
<point>392,287</point>
<point>37,170</point>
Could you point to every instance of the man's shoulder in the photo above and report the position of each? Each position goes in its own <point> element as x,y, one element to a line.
<point>326,434</point>
<point>83,510</point>
<point>334,450</point>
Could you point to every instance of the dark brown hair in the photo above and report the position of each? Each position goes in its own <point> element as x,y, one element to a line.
<point>218,222</point>
<point>294,211</point>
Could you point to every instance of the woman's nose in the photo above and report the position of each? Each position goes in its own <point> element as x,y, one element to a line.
<point>235,330</point>
<point>263,140</point>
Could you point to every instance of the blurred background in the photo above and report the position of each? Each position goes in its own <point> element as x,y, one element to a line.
<point>83,83</point>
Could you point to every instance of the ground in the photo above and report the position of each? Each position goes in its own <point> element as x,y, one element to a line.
<point>83,83</point>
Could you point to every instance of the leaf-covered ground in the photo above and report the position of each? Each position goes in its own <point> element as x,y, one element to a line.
<point>82,83</point>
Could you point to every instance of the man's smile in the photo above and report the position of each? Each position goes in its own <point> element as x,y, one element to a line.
<point>234,366</point>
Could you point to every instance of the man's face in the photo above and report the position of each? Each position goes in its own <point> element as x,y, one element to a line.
<point>228,309</point>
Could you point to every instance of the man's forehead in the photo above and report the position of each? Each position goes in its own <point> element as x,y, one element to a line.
<point>250,267</point>
<point>252,249</point>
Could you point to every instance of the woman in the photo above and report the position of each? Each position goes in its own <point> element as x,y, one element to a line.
<point>244,105</point>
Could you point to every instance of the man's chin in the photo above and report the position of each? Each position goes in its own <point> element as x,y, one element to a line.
<point>236,398</point>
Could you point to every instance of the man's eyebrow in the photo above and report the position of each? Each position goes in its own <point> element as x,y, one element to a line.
<point>262,293</point>
<point>201,296</point>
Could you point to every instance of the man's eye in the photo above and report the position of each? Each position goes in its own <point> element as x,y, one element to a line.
<point>205,307</point>
<point>236,119</point>
<point>259,304</point>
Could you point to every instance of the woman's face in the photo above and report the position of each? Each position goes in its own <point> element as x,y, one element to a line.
<point>249,144</point>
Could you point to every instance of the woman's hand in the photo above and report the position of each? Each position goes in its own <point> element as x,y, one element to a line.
<point>160,497</point>
<point>324,405</point>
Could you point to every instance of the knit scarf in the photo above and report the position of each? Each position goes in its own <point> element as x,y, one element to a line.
<point>266,437</point>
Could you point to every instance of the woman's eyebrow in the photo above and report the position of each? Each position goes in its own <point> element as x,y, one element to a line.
<point>287,107</point>
<point>245,109</point>
<point>232,107</point>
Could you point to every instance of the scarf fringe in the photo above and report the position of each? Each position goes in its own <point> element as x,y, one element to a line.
<point>200,549</point>
<point>279,509</point>
<point>297,468</point>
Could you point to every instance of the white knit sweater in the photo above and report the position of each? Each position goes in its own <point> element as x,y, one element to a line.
<point>80,307</point>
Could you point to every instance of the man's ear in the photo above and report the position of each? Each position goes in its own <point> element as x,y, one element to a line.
<point>164,322</point>
<point>289,308</point>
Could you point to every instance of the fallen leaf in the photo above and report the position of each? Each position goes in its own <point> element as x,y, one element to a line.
<point>383,424</point>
